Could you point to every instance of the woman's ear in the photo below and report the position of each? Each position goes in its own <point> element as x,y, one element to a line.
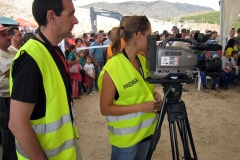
<point>139,35</point>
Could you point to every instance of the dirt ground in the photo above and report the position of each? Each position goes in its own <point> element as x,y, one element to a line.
<point>214,121</point>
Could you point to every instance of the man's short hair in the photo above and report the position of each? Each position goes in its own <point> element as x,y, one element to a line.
<point>92,34</point>
<point>183,30</point>
<point>109,32</point>
<point>174,27</point>
<point>178,35</point>
<point>101,31</point>
<point>41,7</point>
<point>96,35</point>
<point>84,35</point>
<point>12,32</point>
<point>213,32</point>
<point>238,30</point>
<point>209,32</point>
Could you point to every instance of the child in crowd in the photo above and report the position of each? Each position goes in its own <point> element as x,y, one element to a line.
<point>90,75</point>
<point>82,62</point>
<point>75,76</point>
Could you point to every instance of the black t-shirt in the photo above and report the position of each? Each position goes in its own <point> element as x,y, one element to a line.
<point>28,82</point>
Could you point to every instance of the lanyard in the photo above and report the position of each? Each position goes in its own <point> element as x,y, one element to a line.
<point>56,50</point>
<point>139,63</point>
<point>65,75</point>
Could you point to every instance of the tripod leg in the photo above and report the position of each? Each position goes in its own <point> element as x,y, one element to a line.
<point>173,138</point>
<point>185,133</point>
<point>185,141</point>
<point>191,139</point>
<point>176,141</point>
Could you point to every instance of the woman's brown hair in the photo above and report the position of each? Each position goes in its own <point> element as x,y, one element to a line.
<point>128,27</point>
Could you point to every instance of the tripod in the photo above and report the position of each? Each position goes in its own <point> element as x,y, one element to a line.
<point>177,117</point>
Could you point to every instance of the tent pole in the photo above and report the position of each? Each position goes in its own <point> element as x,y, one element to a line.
<point>222,38</point>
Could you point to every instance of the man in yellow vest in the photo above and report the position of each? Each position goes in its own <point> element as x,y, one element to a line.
<point>42,114</point>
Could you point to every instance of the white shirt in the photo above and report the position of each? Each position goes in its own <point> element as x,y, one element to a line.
<point>4,67</point>
<point>12,49</point>
<point>89,68</point>
<point>180,44</point>
<point>225,61</point>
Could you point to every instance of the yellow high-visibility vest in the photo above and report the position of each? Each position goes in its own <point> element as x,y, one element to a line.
<point>128,130</point>
<point>55,131</point>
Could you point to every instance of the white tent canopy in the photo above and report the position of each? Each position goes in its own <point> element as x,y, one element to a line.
<point>229,11</point>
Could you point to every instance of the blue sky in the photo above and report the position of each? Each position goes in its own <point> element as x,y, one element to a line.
<point>208,3</point>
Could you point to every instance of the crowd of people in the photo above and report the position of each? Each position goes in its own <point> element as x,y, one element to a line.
<point>49,71</point>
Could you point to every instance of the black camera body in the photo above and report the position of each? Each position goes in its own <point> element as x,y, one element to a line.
<point>211,67</point>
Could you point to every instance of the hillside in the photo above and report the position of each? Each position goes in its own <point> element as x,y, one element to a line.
<point>155,11</point>
<point>211,18</point>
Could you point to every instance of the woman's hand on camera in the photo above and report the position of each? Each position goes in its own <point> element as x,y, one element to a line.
<point>152,106</point>
<point>158,98</point>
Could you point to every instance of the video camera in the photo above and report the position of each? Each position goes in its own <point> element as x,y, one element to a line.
<point>171,64</point>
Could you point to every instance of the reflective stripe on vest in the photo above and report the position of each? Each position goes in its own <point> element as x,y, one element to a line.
<point>128,130</point>
<point>124,117</point>
<point>121,131</point>
<point>51,127</point>
<point>55,131</point>
<point>53,152</point>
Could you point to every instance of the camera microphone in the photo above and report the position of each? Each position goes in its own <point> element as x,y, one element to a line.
<point>206,47</point>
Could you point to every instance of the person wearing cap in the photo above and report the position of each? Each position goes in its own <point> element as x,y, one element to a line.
<point>8,140</point>
<point>16,39</point>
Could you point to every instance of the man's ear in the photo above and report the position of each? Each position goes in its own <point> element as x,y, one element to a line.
<point>51,16</point>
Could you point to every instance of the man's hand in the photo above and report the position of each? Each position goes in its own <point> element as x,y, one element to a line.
<point>225,70</point>
<point>96,64</point>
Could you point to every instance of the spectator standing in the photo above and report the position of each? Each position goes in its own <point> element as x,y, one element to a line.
<point>90,75</point>
<point>28,36</point>
<point>97,56</point>
<point>73,60</point>
<point>179,43</point>
<point>238,39</point>
<point>16,39</point>
<point>184,33</point>
<point>91,38</point>
<point>174,31</point>
<point>231,35</point>
<point>109,39</point>
<point>82,60</point>
<point>213,40</point>
<point>79,45</point>
<point>42,114</point>
<point>85,38</point>
<point>71,40</point>
<point>7,138</point>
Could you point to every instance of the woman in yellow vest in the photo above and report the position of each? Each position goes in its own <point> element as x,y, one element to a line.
<point>127,100</point>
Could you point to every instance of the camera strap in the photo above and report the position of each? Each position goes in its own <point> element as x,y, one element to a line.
<point>139,63</point>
